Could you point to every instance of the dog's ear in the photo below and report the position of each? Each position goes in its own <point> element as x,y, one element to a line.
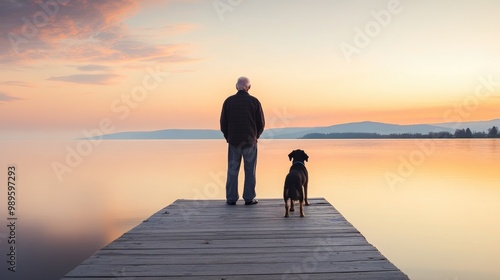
<point>290,155</point>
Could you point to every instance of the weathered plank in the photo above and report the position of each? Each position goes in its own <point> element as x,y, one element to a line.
<point>268,257</point>
<point>377,275</point>
<point>168,270</point>
<point>193,239</point>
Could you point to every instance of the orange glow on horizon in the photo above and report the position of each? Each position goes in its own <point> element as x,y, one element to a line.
<point>151,66</point>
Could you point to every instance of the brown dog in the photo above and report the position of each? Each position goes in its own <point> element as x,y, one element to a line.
<point>296,182</point>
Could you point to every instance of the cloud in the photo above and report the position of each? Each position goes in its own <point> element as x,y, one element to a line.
<point>93,79</point>
<point>7,98</point>
<point>32,25</point>
<point>17,83</point>
<point>92,67</point>
<point>83,31</point>
<point>140,51</point>
<point>169,29</point>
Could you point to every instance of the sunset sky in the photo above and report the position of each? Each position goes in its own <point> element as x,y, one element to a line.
<point>73,65</point>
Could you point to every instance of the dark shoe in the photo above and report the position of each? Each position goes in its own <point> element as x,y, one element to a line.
<point>252,202</point>
<point>230,203</point>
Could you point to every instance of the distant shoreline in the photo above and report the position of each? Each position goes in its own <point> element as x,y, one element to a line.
<point>459,134</point>
<point>358,130</point>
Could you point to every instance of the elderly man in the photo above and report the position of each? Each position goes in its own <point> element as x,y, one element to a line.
<point>242,123</point>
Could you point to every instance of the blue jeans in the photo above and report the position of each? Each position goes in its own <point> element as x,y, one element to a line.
<point>249,154</point>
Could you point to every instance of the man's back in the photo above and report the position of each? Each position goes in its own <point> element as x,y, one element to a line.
<point>242,119</point>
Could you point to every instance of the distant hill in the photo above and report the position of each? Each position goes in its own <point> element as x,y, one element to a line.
<point>474,126</point>
<point>298,132</point>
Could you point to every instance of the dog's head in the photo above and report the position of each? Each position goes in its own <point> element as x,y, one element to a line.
<point>298,155</point>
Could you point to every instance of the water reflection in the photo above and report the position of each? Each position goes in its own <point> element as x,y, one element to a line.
<point>438,221</point>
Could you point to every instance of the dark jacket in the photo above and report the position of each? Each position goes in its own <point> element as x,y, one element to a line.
<point>242,120</point>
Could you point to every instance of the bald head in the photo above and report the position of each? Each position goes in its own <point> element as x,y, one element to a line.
<point>243,83</point>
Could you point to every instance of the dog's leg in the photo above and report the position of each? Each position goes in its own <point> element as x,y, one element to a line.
<point>292,207</point>
<point>305,192</point>
<point>286,208</point>
<point>301,203</point>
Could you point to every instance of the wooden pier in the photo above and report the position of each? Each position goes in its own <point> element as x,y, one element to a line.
<point>207,239</point>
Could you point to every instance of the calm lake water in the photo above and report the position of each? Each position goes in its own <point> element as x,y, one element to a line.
<point>431,207</point>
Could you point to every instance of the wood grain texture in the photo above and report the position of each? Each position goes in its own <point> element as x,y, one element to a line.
<point>207,239</point>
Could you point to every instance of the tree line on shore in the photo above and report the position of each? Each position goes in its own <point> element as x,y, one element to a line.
<point>459,133</point>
